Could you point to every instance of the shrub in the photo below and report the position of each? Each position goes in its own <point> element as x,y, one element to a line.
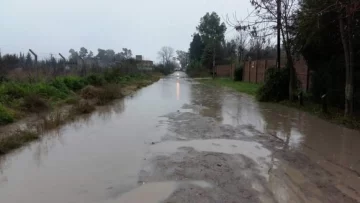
<point>83,107</point>
<point>112,75</point>
<point>9,143</point>
<point>276,85</point>
<point>196,69</point>
<point>74,83</point>
<point>95,79</point>
<point>238,74</point>
<point>3,79</point>
<point>34,103</point>
<point>5,115</point>
<point>108,93</point>
<point>13,91</point>
<point>90,92</point>
<point>48,91</point>
<point>60,85</point>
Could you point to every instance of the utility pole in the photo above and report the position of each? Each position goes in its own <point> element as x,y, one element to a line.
<point>35,64</point>
<point>278,34</point>
<point>214,62</point>
<point>213,59</point>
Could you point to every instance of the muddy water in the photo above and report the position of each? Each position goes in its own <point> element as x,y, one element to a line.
<point>180,141</point>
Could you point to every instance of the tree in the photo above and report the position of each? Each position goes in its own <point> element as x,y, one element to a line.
<point>106,55</point>
<point>327,36</point>
<point>196,48</point>
<point>346,12</point>
<point>101,54</point>
<point>73,55</point>
<point>212,33</point>
<point>110,55</point>
<point>265,15</point>
<point>126,53</point>
<point>229,49</point>
<point>28,60</point>
<point>166,54</point>
<point>183,58</point>
<point>83,52</point>
<point>241,42</point>
<point>90,55</point>
<point>211,29</point>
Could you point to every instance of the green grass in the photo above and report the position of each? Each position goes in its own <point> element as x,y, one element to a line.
<point>21,97</point>
<point>5,115</point>
<point>248,88</point>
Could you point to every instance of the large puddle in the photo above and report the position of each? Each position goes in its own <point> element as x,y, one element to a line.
<point>98,158</point>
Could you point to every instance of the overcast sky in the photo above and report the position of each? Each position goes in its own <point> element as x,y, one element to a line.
<point>144,26</point>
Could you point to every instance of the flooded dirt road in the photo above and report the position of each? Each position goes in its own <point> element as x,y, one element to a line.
<point>181,141</point>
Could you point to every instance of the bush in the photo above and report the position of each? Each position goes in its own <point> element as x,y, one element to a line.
<point>163,69</point>
<point>112,76</point>
<point>90,92</point>
<point>238,74</point>
<point>196,69</point>
<point>95,79</point>
<point>60,85</point>
<point>9,143</point>
<point>47,91</point>
<point>5,115</point>
<point>83,107</point>
<point>13,91</point>
<point>108,93</point>
<point>3,79</point>
<point>74,83</point>
<point>34,103</point>
<point>276,85</point>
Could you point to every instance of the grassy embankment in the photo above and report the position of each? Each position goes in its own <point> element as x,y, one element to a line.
<point>19,99</point>
<point>248,88</point>
<point>334,115</point>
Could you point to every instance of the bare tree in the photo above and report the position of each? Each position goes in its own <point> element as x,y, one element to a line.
<point>346,11</point>
<point>183,58</point>
<point>265,17</point>
<point>166,54</point>
<point>241,41</point>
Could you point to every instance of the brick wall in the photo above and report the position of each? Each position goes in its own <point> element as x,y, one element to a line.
<point>254,71</point>
<point>225,70</point>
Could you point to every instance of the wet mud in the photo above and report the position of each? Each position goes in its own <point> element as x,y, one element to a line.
<point>181,141</point>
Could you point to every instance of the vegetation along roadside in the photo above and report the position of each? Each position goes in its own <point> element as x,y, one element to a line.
<point>334,115</point>
<point>48,99</point>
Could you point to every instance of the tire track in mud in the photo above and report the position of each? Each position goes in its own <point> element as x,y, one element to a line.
<point>235,177</point>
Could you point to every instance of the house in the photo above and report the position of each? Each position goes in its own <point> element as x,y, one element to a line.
<point>144,64</point>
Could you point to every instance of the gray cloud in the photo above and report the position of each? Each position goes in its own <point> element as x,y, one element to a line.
<point>49,26</point>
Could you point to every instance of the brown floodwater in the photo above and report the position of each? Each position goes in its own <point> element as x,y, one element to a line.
<point>176,140</point>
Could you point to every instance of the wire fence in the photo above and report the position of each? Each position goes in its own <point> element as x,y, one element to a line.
<point>20,67</point>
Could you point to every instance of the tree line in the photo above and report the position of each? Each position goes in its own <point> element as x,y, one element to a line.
<point>209,47</point>
<point>324,32</point>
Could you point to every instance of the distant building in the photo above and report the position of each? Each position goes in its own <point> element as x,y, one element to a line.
<point>143,64</point>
